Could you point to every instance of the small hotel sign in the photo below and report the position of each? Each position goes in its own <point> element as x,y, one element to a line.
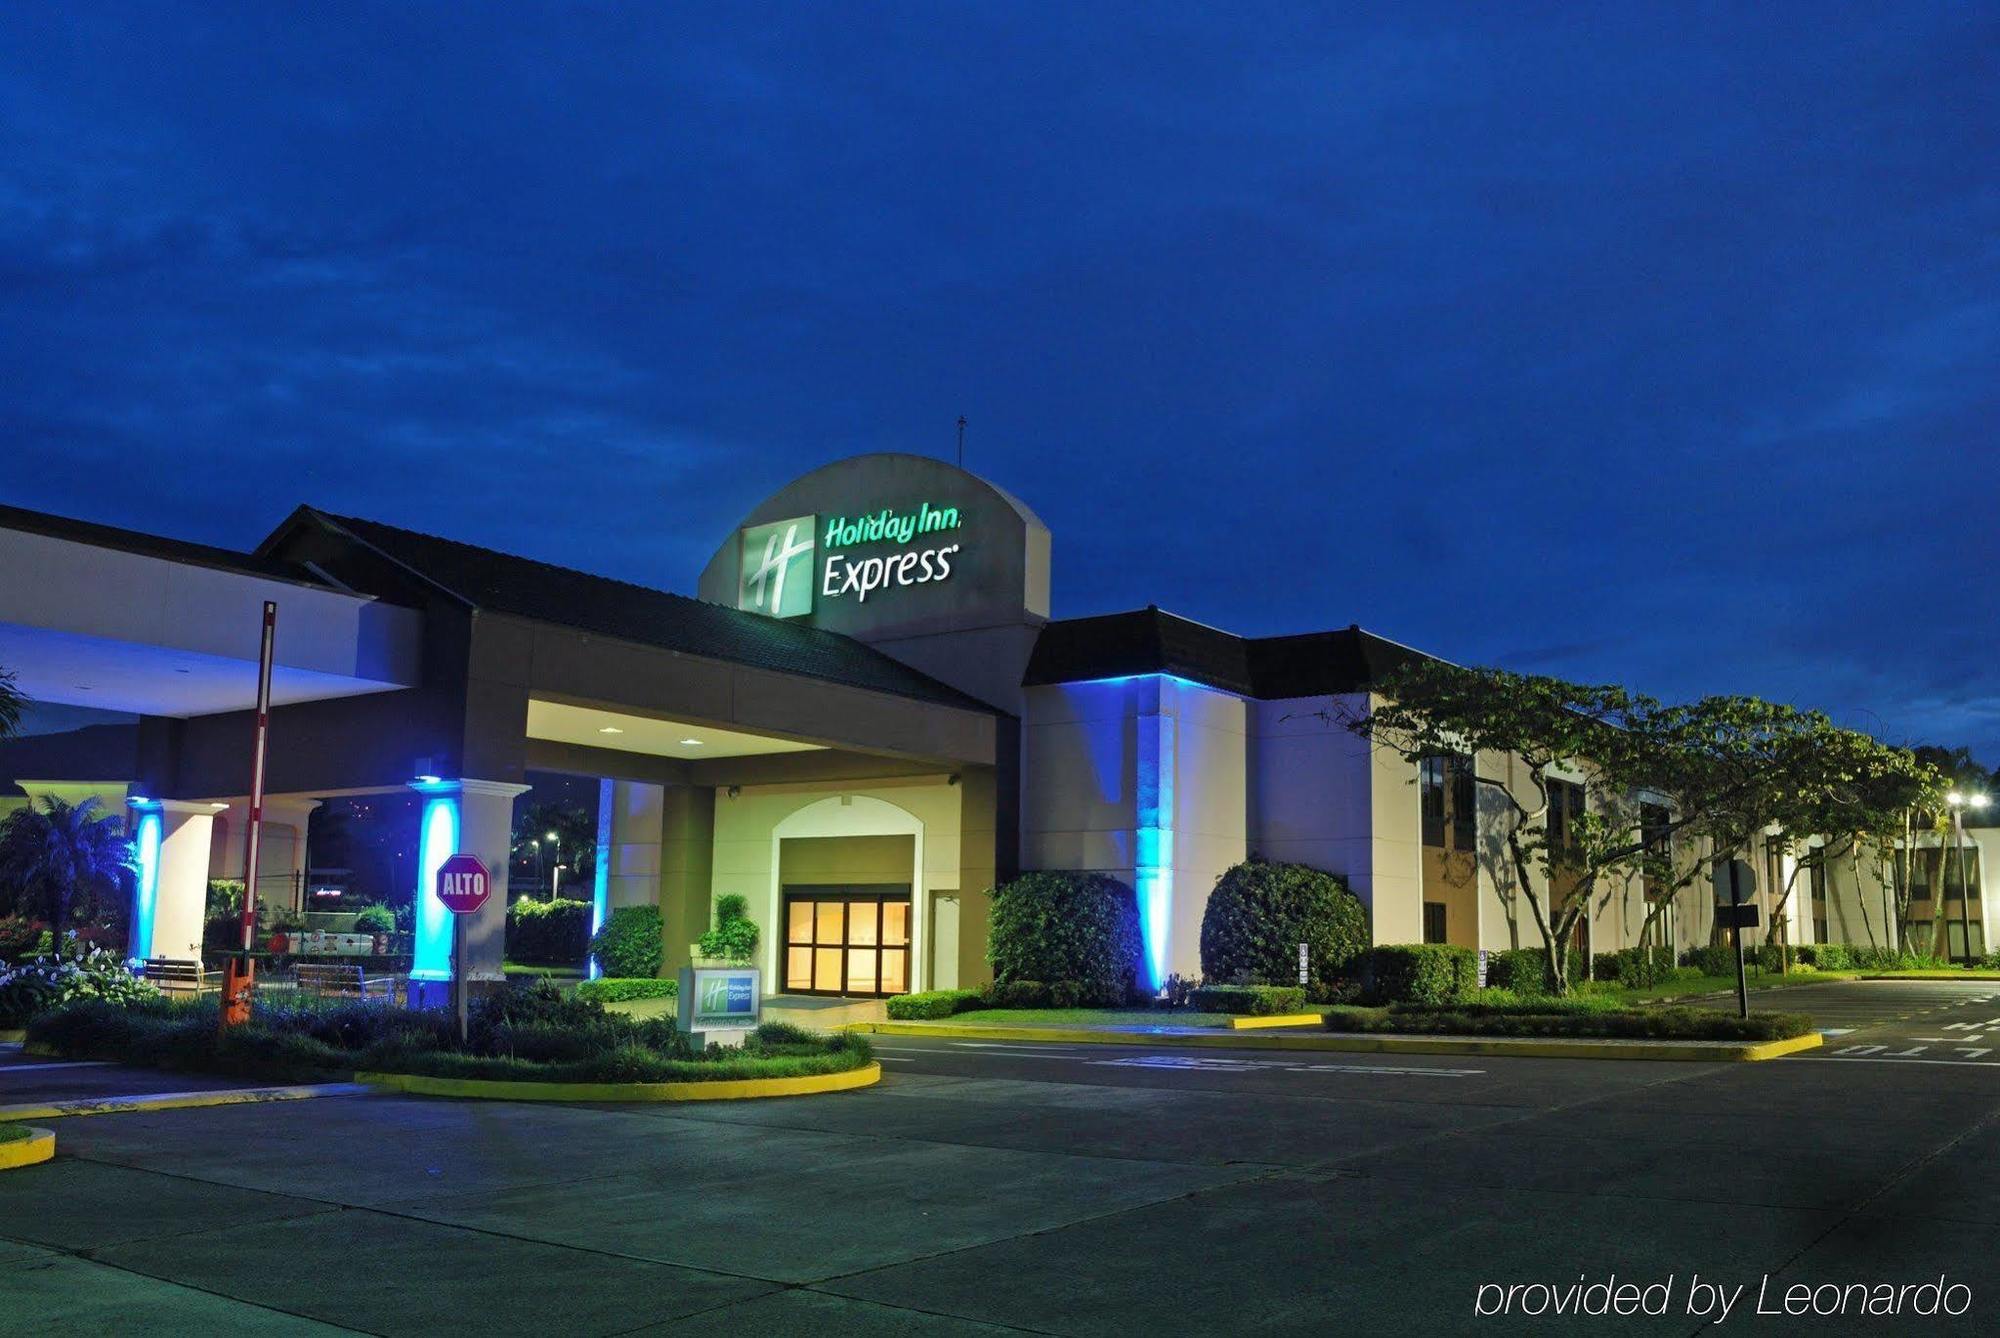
<point>720,998</point>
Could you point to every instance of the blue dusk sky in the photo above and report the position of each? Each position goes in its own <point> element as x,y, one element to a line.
<point>1657,344</point>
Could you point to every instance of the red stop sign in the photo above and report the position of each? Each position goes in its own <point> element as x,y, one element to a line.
<point>462,884</point>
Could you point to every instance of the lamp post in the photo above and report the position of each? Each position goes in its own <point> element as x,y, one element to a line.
<point>555,857</point>
<point>1959,802</point>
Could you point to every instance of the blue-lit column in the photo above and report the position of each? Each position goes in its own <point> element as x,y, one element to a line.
<point>171,840</point>
<point>473,817</point>
<point>1153,839</point>
<point>600,880</point>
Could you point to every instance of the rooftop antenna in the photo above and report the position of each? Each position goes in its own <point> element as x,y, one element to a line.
<point>961,441</point>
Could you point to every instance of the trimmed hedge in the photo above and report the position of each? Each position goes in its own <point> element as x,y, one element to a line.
<point>620,989</point>
<point>1079,930</point>
<point>1535,1019</point>
<point>631,943</point>
<point>933,1004</point>
<point>1427,973</point>
<point>1634,968</point>
<point>1262,910</point>
<point>1252,1000</point>
<point>548,933</point>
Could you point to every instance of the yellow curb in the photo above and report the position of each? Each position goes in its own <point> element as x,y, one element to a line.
<point>39,1145</point>
<point>123,1105</point>
<point>1368,1042</point>
<point>1243,1022</point>
<point>738,1089</point>
<point>9,1035</point>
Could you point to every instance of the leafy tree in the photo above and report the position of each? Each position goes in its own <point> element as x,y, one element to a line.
<point>734,937</point>
<point>59,858</point>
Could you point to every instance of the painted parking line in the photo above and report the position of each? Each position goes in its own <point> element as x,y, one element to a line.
<point>58,1064</point>
<point>1892,1059</point>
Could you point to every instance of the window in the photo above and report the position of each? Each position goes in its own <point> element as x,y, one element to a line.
<point>1430,790</point>
<point>1817,873</point>
<point>1655,829</point>
<point>1464,804</point>
<point>1448,801</point>
<point>1434,922</point>
<point>1565,806</point>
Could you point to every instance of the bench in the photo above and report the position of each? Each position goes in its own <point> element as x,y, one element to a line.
<point>177,975</point>
<point>342,979</point>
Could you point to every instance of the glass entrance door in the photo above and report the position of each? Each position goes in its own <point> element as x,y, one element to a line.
<point>847,940</point>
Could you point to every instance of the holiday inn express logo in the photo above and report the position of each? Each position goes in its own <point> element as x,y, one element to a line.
<point>778,568</point>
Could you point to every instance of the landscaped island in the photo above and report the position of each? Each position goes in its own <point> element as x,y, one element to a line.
<point>531,1035</point>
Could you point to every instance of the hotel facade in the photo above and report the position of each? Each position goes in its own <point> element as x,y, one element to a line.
<point>861,721</point>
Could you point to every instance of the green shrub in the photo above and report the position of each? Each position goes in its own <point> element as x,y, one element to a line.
<point>1253,1000</point>
<point>631,943</point>
<point>1535,1018</point>
<point>548,933</point>
<point>375,919</point>
<point>1056,925</point>
<point>734,937</point>
<point>1716,959</point>
<point>1016,994</point>
<point>1431,973</point>
<point>1526,970</point>
<point>1990,962</point>
<point>1827,956</point>
<point>1262,910</point>
<point>934,1004</point>
<point>620,989</point>
<point>1634,968</point>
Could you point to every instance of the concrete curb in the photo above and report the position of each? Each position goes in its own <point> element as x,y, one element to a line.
<point>1244,1022</point>
<point>1387,1043</point>
<point>122,1105</point>
<point>740,1089</point>
<point>38,1146</point>
<point>1968,977</point>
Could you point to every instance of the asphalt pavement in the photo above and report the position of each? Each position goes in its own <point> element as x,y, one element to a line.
<point>990,1187</point>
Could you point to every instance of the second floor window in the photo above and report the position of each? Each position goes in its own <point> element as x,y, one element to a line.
<point>1565,806</point>
<point>1448,801</point>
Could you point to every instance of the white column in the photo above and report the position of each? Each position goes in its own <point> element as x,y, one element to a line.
<point>173,848</point>
<point>463,817</point>
<point>637,823</point>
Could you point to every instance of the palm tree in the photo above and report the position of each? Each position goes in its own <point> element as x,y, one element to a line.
<point>52,856</point>
<point>12,702</point>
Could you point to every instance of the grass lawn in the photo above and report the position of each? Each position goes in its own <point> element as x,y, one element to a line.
<point>1758,980</point>
<point>11,1132</point>
<point>552,972</point>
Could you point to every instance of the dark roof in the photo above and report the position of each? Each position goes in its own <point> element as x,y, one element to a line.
<point>503,583</point>
<point>1152,641</point>
<point>152,545</point>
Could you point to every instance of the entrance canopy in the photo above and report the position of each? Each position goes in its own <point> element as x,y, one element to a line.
<point>106,618</point>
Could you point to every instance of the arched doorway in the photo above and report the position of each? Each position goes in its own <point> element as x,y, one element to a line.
<point>847,935</point>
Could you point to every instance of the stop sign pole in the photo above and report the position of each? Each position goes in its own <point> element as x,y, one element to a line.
<point>463,885</point>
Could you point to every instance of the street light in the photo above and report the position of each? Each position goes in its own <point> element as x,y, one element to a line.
<point>1959,802</point>
<point>555,854</point>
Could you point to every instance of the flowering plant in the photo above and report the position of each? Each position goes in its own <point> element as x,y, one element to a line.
<point>76,972</point>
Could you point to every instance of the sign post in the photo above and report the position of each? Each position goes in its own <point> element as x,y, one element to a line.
<point>1302,963</point>
<point>238,975</point>
<point>463,886</point>
<point>1735,885</point>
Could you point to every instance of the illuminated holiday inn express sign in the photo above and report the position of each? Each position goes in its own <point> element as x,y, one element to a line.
<point>789,563</point>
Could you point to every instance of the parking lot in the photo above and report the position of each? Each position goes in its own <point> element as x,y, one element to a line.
<point>994,1187</point>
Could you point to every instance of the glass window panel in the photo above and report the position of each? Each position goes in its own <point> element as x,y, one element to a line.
<point>895,972</point>
<point>895,923</point>
<point>798,969</point>
<point>861,922</point>
<point>861,970</point>
<point>827,916</point>
<point>799,927</point>
<point>826,968</point>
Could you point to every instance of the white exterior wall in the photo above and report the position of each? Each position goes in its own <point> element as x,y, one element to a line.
<point>1312,789</point>
<point>1144,779</point>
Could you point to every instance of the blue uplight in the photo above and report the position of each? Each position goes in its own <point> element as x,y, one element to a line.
<point>146,851</point>
<point>600,879</point>
<point>437,841</point>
